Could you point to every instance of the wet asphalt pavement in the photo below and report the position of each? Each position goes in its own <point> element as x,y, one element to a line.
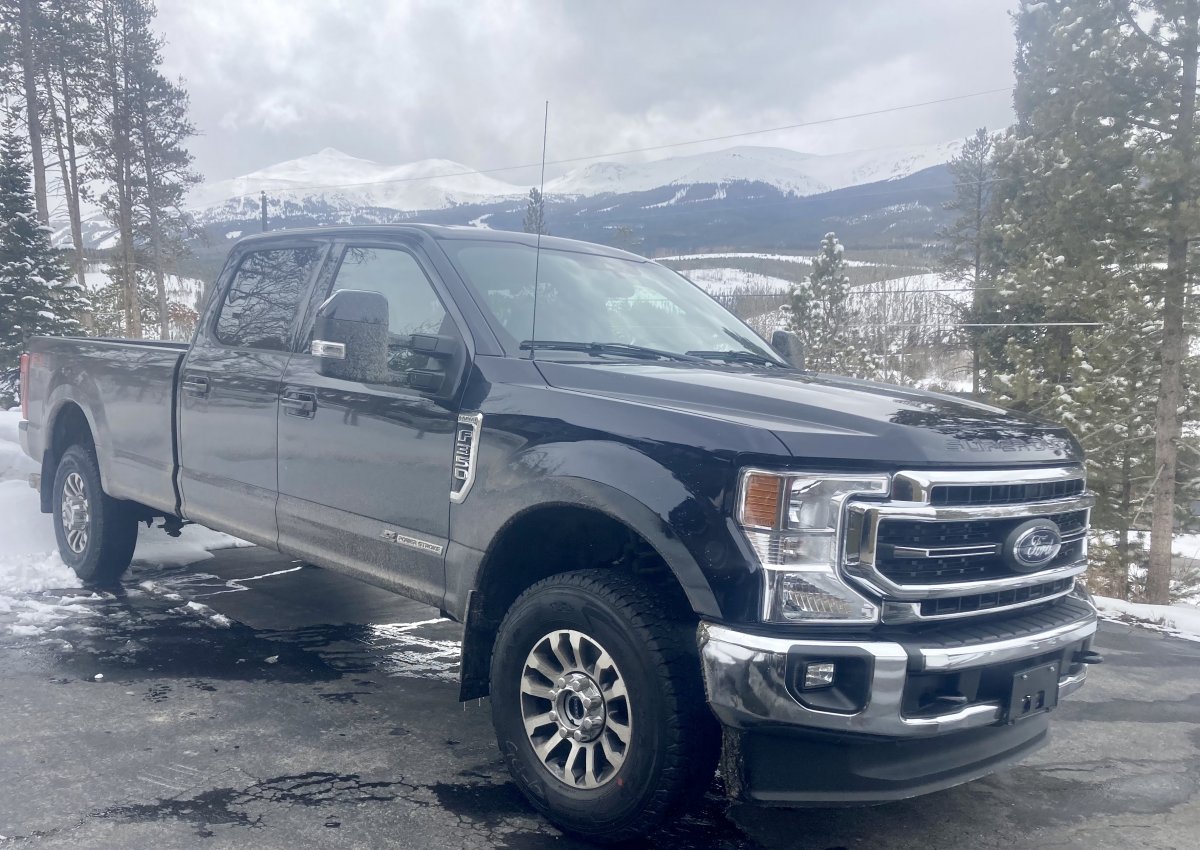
<point>287,707</point>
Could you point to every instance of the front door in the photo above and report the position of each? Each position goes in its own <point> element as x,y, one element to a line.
<point>365,468</point>
<point>229,390</point>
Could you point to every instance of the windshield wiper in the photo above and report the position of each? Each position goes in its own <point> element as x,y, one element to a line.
<point>734,357</point>
<point>607,348</point>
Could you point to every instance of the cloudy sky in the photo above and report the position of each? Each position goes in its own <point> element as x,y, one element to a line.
<point>401,80</point>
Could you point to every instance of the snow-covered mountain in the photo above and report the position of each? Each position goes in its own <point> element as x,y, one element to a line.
<point>787,170</point>
<point>742,198</point>
<point>343,181</point>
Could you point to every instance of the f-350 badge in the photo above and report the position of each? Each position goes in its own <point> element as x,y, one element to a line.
<point>466,453</point>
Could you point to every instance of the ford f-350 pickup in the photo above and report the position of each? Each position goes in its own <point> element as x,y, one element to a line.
<point>664,540</point>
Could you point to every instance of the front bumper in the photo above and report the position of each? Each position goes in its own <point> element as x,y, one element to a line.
<point>876,743</point>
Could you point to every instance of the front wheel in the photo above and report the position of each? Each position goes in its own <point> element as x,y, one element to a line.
<point>598,705</point>
<point>96,533</point>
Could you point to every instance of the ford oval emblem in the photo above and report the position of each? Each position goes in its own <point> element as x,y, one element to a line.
<point>1032,545</point>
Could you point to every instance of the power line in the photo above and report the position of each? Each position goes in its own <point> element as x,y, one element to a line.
<point>649,148</point>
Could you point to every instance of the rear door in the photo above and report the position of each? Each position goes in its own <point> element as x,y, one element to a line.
<point>365,468</point>
<point>229,389</point>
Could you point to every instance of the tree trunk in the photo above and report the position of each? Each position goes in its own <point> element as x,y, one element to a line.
<point>1123,518</point>
<point>118,75</point>
<point>164,316</point>
<point>976,311</point>
<point>1174,343</point>
<point>73,197</point>
<point>33,111</point>
<point>69,176</point>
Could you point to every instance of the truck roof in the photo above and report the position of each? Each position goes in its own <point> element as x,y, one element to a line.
<point>445,232</point>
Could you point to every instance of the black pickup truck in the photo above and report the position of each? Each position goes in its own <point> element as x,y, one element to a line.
<point>666,542</point>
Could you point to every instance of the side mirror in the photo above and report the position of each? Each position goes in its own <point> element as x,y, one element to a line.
<point>351,336</point>
<point>788,346</point>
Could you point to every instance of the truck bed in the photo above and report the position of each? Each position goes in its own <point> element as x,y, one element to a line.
<point>126,390</point>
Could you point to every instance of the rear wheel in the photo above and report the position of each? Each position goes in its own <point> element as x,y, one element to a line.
<point>96,533</point>
<point>598,705</point>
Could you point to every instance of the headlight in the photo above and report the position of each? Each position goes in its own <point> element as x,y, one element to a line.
<point>792,523</point>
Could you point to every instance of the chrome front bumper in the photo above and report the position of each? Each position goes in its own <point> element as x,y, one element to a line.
<point>745,679</point>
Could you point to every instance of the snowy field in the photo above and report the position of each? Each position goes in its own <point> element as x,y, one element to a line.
<point>732,281</point>
<point>786,258</point>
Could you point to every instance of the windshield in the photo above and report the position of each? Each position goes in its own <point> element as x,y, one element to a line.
<point>585,298</point>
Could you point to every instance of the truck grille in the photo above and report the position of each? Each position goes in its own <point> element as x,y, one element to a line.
<point>935,550</point>
<point>912,551</point>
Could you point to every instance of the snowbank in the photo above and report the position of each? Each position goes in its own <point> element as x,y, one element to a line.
<point>1179,620</point>
<point>32,575</point>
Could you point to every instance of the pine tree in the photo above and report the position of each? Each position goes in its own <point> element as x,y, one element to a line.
<point>819,312</point>
<point>138,142</point>
<point>965,252</point>
<point>535,213</point>
<point>70,68</point>
<point>1164,63</point>
<point>37,294</point>
<point>1078,254</point>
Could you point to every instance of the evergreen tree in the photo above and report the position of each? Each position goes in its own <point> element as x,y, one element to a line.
<point>819,312</point>
<point>1078,269</point>
<point>965,253</point>
<point>140,155</point>
<point>70,66</point>
<point>1163,70</point>
<point>37,294</point>
<point>535,213</point>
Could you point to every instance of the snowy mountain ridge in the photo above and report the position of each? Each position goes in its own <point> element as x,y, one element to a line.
<point>345,181</point>
<point>787,170</point>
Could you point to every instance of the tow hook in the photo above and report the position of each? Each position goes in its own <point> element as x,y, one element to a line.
<point>1086,656</point>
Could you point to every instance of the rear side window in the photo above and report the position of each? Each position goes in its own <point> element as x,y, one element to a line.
<point>264,296</point>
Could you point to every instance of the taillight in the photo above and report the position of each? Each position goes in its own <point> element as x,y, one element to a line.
<point>24,386</point>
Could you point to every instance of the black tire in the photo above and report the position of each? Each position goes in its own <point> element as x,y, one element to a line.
<point>110,525</point>
<point>674,739</point>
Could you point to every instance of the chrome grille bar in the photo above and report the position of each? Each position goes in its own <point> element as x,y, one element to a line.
<point>863,553</point>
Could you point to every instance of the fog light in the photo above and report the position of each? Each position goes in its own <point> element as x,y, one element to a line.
<point>819,675</point>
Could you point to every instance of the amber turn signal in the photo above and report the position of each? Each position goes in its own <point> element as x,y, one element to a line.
<point>761,500</point>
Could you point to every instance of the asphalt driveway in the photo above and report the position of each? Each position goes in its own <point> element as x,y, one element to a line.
<point>249,701</point>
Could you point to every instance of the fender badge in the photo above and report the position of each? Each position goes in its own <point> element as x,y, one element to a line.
<point>466,452</point>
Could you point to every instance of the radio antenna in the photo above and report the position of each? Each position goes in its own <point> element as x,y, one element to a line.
<point>541,225</point>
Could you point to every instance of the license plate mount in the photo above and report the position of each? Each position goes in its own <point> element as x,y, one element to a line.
<point>1033,691</point>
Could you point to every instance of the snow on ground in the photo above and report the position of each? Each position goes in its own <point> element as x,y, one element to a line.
<point>786,258</point>
<point>181,290</point>
<point>731,281</point>
<point>1180,620</point>
<point>37,590</point>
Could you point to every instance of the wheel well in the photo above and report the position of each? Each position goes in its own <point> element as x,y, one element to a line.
<point>70,427</point>
<point>544,542</point>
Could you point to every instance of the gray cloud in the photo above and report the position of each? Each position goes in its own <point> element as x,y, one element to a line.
<point>399,80</point>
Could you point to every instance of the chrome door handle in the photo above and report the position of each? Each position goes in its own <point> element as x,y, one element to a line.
<point>196,385</point>
<point>299,402</point>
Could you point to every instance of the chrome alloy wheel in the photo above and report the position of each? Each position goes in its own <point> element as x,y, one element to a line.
<point>576,709</point>
<point>75,513</point>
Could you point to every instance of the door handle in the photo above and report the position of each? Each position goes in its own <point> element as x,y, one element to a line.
<point>299,402</point>
<point>196,385</point>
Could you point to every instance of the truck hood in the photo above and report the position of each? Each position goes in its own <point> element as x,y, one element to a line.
<point>822,417</point>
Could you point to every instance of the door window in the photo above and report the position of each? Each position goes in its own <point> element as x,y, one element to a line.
<point>264,296</point>
<point>413,305</point>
